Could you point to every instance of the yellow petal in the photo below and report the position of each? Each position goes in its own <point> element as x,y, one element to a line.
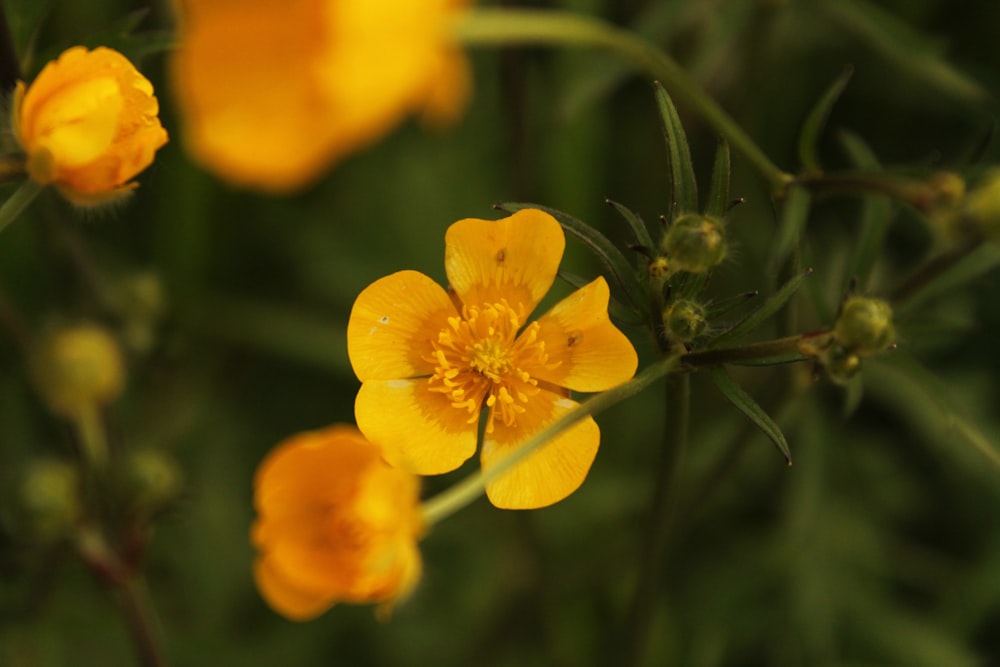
<point>514,258</point>
<point>286,599</point>
<point>550,473</point>
<point>586,352</point>
<point>246,77</point>
<point>417,429</point>
<point>392,324</point>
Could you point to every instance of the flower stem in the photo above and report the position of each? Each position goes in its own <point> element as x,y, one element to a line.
<point>458,496</point>
<point>15,205</point>
<point>108,567</point>
<point>93,440</point>
<point>661,517</point>
<point>780,349</point>
<point>502,26</point>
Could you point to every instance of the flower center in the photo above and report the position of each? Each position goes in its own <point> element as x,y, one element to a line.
<point>481,360</point>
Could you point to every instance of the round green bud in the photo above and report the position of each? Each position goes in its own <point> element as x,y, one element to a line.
<point>695,243</point>
<point>864,326</point>
<point>979,213</point>
<point>49,498</point>
<point>841,364</point>
<point>152,479</point>
<point>78,367</point>
<point>684,320</point>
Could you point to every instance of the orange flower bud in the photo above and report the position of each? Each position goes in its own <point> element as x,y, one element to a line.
<point>335,524</point>
<point>88,124</point>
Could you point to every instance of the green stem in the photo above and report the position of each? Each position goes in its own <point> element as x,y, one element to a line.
<point>675,437</point>
<point>458,496</point>
<point>501,26</point>
<point>139,615</point>
<point>786,349</point>
<point>93,440</point>
<point>15,205</point>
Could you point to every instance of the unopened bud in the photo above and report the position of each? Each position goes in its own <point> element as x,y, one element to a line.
<point>841,364</point>
<point>864,326</point>
<point>684,320</point>
<point>152,480</point>
<point>49,500</point>
<point>77,368</point>
<point>979,213</point>
<point>695,243</point>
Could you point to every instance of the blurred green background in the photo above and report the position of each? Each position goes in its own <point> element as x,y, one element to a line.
<point>880,546</point>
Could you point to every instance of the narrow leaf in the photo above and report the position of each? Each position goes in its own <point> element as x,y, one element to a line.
<point>718,188</point>
<point>917,394</point>
<point>745,403</point>
<point>816,121</point>
<point>682,183</point>
<point>794,216</point>
<point>639,229</point>
<point>876,214</point>
<point>618,266</point>
<point>766,309</point>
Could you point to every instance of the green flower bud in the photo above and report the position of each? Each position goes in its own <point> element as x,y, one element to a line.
<point>48,499</point>
<point>152,480</point>
<point>77,368</point>
<point>695,243</point>
<point>684,320</point>
<point>979,213</point>
<point>841,364</point>
<point>864,326</point>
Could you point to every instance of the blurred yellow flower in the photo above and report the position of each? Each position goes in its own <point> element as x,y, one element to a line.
<point>274,91</point>
<point>335,524</point>
<point>431,360</point>
<point>88,124</point>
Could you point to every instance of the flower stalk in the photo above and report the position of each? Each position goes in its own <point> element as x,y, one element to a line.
<point>465,492</point>
<point>502,26</point>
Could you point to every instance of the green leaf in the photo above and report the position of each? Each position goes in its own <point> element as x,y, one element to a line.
<point>766,309</point>
<point>621,271</point>
<point>977,263</point>
<point>639,229</point>
<point>912,53</point>
<point>718,189</point>
<point>122,36</point>
<point>682,183</point>
<point>915,392</point>
<point>876,214</point>
<point>794,216</point>
<point>816,121</point>
<point>24,18</point>
<point>745,403</point>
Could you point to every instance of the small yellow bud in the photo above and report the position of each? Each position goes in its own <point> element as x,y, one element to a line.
<point>659,269</point>
<point>49,500</point>
<point>864,326</point>
<point>88,124</point>
<point>77,368</point>
<point>695,243</point>
<point>684,320</point>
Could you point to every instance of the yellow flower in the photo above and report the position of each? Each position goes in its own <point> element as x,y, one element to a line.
<point>88,124</point>
<point>430,361</point>
<point>335,524</point>
<point>274,91</point>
